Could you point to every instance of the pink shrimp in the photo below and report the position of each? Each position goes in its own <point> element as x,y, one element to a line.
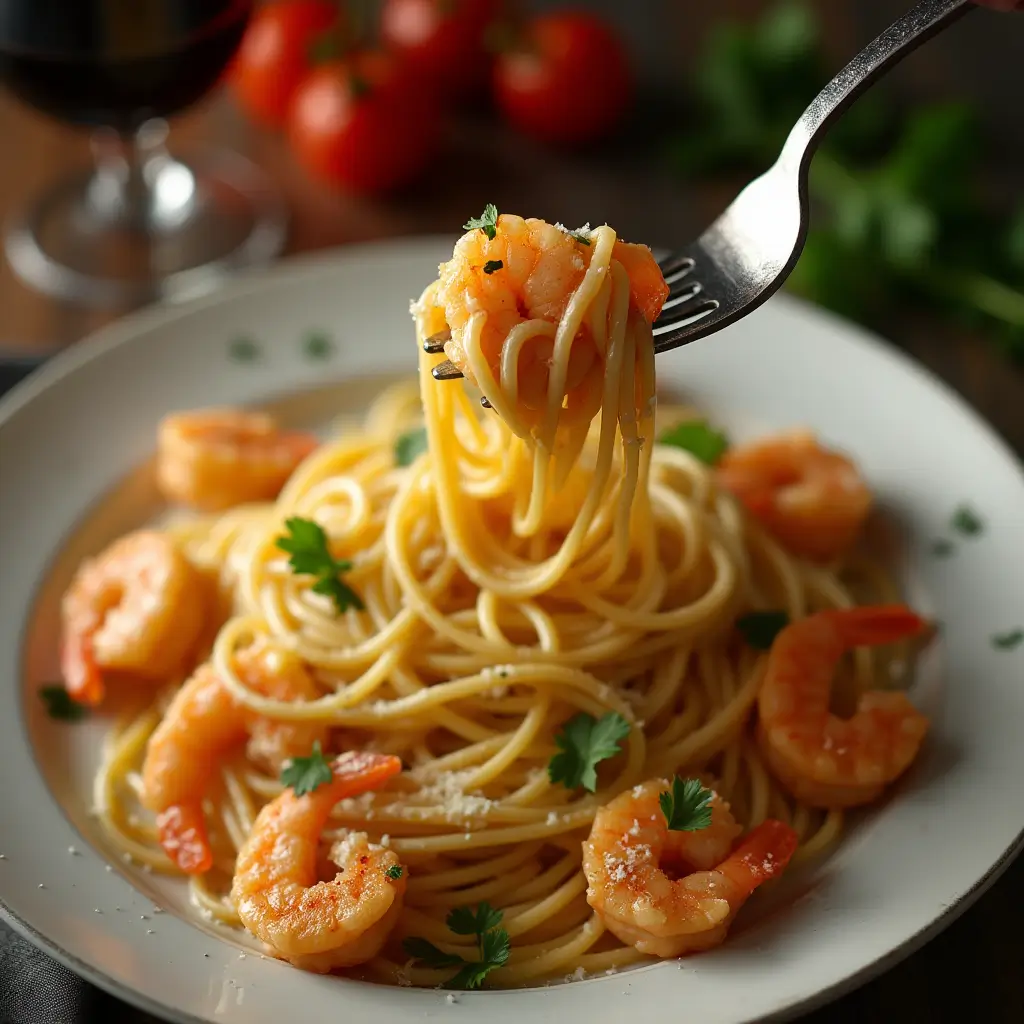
<point>630,849</point>
<point>320,925</point>
<point>203,722</point>
<point>212,459</point>
<point>824,760</point>
<point>136,608</point>
<point>811,499</point>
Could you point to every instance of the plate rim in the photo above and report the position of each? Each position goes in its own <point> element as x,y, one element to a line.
<point>127,329</point>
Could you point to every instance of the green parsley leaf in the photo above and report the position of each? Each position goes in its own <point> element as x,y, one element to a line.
<point>304,774</point>
<point>243,350</point>
<point>697,438</point>
<point>467,921</point>
<point>428,954</point>
<point>410,446</point>
<point>318,346</point>
<point>760,629</point>
<point>942,548</point>
<point>60,705</point>
<point>306,543</point>
<point>966,521</point>
<point>395,871</point>
<point>687,808</point>
<point>492,265</point>
<point>585,741</point>
<point>580,236</point>
<point>1008,641</point>
<point>487,222</point>
<point>492,943</point>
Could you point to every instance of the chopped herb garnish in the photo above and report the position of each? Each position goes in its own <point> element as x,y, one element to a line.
<point>584,742</point>
<point>697,438</point>
<point>487,222</point>
<point>1008,641</point>
<point>942,548</point>
<point>244,350</point>
<point>760,629</point>
<point>410,446</point>
<point>492,265</point>
<point>966,521</point>
<point>304,774</point>
<point>61,706</point>
<point>318,345</point>
<point>580,236</point>
<point>395,871</point>
<point>687,808</point>
<point>492,945</point>
<point>307,544</point>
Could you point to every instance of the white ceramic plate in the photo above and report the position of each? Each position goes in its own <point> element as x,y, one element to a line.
<point>71,437</point>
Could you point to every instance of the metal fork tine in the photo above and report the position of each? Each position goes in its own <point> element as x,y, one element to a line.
<point>434,345</point>
<point>686,291</point>
<point>676,266</point>
<point>446,371</point>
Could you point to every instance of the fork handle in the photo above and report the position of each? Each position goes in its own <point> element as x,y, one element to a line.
<point>917,26</point>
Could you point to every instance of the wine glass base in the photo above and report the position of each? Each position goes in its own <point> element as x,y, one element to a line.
<point>188,225</point>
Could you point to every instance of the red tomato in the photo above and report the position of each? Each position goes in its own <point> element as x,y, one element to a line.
<point>363,124</point>
<point>570,82</point>
<point>274,55</point>
<point>442,39</point>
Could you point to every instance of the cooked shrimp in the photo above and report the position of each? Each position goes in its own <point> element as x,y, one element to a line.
<point>541,267</point>
<point>213,459</point>
<point>203,722</point>
<point>811,499</point>
<point>625,861</point>
<point>136,608</point>
<point>823,760</point>
<point>326,924</point>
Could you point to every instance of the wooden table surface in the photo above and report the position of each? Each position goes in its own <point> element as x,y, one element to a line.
<point>979,960</point>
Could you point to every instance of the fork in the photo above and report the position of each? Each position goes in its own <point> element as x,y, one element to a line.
<point>747,254</point>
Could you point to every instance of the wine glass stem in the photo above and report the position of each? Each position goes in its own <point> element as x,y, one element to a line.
<point>137,184</point>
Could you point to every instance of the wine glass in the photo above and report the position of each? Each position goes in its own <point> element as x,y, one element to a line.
<point>140,224</point>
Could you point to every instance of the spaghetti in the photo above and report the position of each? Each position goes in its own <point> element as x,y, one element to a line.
<point>530,566</point>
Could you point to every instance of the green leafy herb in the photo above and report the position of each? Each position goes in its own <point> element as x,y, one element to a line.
<point>428,954</point>
<point>395,871</point>
<point>687,807</point>
<point>760,629</point>
<point>942,548</point>
<point>1008,641</point>
<point>580,236</point>
<point>886,226</point>
<point>966,521</point>
<point>697,438</point>
<point>487,222</point>
<point>304,774</point>
<point>469,921</point>
<point>243,350</point>
<point>307,544</point>
<point>584,742</point>
<point>410,446</point>
<point>492,265</point>
<point>61,706</point>
<point>318,346</point>
<point>492,945</point>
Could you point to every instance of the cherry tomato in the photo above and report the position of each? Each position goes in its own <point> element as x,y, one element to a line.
<point>570,81</point>
<point>363,123</point>
<point>442,39</point>
<point>274,55</point>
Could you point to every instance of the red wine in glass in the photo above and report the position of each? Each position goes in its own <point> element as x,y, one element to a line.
<point>142,223</point>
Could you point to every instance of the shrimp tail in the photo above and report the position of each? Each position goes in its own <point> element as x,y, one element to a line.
<point>82,677</point>
<point>881,624</point>
<point>182,831</point>
<point>357,772</point>
<point>761,855</point>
